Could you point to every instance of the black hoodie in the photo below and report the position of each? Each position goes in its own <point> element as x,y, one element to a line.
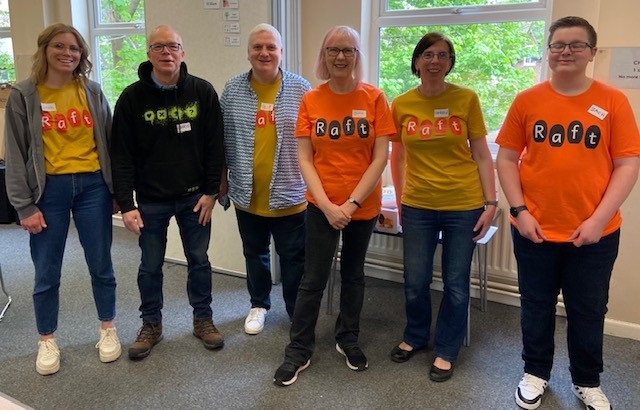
<point>167,143</point>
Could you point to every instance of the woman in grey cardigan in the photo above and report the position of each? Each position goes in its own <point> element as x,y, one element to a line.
<point>58,126</point>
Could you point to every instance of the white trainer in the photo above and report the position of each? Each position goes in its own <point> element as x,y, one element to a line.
<point>109,345</point>
<point>592,397</point>
<point>254,323</point>
<point>48,360</point>
<point>530,391</point>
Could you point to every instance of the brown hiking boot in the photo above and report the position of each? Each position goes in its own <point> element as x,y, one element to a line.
<point>148,336</point>
<point>204,330</point>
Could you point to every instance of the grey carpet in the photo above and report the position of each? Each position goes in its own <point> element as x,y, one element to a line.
<point>180,373</point>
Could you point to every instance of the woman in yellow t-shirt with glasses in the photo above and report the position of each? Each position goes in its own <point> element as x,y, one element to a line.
<point>443,175</point>
<point>58,126</point>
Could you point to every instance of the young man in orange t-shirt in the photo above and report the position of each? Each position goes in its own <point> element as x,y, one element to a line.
<point>581,162</point>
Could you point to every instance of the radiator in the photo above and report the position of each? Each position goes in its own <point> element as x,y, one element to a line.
<point>384,260</point>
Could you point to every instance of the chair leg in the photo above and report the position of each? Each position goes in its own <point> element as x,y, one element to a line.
<point>482,276</point>
<point>332,282</point>
<point>467,338</point>
<point>6,306</point>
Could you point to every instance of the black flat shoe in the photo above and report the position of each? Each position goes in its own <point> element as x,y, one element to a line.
<point>399,355</point>
<point>438,375</point>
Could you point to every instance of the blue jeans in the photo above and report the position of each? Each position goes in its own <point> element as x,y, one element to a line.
<point>86,196</point>
<point>288,235</point>
<point>583,276</point>
<point>153,242</point>
<point>321,242</point>
<point>421,230</point>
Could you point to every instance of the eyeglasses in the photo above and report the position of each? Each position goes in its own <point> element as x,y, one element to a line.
<point>158,48</point>
<point>62,47</point>
<point>559,47</point>
<point>347,52</point>
<point>430,55</point>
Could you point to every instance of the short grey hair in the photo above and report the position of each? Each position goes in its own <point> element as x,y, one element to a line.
<point>265,27</point>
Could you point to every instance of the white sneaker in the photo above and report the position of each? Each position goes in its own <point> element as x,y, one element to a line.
<point>254,323</point>
<point>48,360</point>
<point>592,397</point>
<point>530,390</point>
<point>109,345</point>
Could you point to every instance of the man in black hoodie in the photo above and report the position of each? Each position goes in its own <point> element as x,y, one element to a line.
<point>168,148</point>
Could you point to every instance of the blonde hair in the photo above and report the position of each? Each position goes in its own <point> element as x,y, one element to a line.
<point>40,66</point>
<point>322,72</point>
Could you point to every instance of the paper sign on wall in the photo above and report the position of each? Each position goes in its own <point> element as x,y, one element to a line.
<point>624,71</point>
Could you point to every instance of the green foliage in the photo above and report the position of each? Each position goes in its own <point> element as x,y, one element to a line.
<point>7,68</point>
<point>489,58</point>
<point>120,55</point>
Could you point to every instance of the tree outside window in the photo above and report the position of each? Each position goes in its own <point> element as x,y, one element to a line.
<point>119,39</point>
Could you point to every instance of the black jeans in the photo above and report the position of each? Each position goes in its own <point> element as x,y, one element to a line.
<point>321,241</point>
<point>288,235</point>
<point>583,275</point>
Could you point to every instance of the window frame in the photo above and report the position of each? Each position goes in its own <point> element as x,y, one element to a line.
<point>5,32</point>
<point>98,29</point>
<point>376,16</point>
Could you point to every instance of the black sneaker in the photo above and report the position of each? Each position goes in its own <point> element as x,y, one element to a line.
<point>287,373</point>
<point>356,360</point>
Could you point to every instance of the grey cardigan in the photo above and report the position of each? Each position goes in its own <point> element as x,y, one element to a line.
<point>24,156</point>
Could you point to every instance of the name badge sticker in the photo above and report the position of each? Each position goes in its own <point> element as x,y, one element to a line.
<point>598,112</point>
<point>266,107</point>
<point>441,113</point>
<point>48,107</point>
<point>359,113</point>
<point>184,127</point>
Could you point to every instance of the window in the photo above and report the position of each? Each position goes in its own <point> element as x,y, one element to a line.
<point>7,67</point>
<point>119,43</point>
<point>499,46</point>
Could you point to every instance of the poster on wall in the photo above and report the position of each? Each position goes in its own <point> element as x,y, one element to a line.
<point>624,67</point>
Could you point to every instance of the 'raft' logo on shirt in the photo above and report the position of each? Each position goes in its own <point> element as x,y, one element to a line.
<point>427,128</point>
<point>61,122</point>
<point>348,127</point>
<point>173,114</point>
<point>573,134</point>
<point>263,118</point>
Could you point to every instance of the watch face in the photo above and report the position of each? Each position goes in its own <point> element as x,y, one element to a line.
<point>515,211</point>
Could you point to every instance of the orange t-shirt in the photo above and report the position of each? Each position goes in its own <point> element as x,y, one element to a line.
<point>343,129</point>
<point>571,142</point>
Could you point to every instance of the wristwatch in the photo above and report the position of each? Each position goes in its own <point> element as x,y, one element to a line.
<point>353,201</point>
<point>514,211</point>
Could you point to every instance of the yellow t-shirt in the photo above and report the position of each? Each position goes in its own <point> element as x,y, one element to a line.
<point>440,173</point>
<point>67,130</point>
<point>264,152</point>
